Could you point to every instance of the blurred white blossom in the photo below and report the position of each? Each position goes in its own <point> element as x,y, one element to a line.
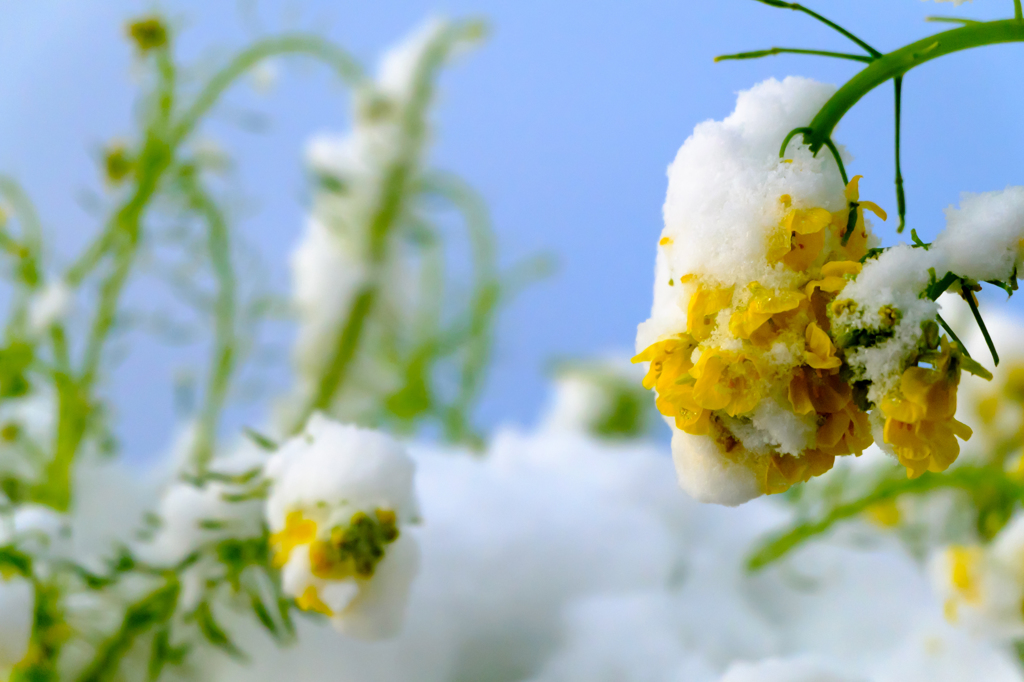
<point>339,507</point>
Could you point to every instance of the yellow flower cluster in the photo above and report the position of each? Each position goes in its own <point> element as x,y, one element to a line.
<point>746,344</point>
<point>349,551</point>
<point>919,421</point>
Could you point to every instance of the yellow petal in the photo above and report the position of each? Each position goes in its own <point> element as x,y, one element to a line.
<point>310,601</point>
<point>852,191</point>
<point>820,353</point>
<point>874,208</point>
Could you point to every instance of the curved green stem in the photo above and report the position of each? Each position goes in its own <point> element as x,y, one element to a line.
<point>223,364</point>
<point>1018,12</point>
<point>314,46</point>
<point>899,62</point>
<point>393,191</point>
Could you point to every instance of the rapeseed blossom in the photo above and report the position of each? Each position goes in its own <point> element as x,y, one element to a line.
<point>340,503</point>
<point>781,336</point>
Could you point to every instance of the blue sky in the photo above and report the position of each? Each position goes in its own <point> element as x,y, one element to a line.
<point>565,120</point>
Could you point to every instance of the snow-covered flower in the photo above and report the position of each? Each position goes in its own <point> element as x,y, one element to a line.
<point>982,586</point>
<point>753,253</point>
<point>778,339</point>
<point>49,306</point>
<point>340,502</point>
<point>17,600</point>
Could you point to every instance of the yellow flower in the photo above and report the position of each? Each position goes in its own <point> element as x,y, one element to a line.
<point>811,391</point>
<point>297,531</point>
<point>784,471</point>
<point>763,305</point>
<point>834,276</point>
<point>670,359</point>
<point>846,432</point>
<point>800,237</point>
<point>926,445</point>
<point>884,514</point>
<point>726,381</point>
<point>857,245</point>
<point>689,415</point>
<point>704,305</point>
<point>919,416</point>
<point>964,577</point>
<point>820,353</point>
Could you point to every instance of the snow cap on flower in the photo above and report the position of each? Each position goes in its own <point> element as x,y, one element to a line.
<point>341,498</point>
<point>17,606</point>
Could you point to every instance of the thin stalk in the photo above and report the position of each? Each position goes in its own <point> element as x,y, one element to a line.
<point>1018,13</point>
<point>901,200</point>
<point>223,363</point>
<point>952,335</point>
<point>831,24</point>
<point>964,478</point>
<point>757,54</point>
<point>487,292</point>
<point>314,46</point>
<point>900,61</point>
<point>969,296</point>
<point>32,237</point>
<point>951,20</point>
<point>839,163</point>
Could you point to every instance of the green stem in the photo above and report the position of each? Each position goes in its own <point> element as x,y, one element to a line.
<point>952,335</point>
<point>1018,13</point>
<point>314,46</point>
<point>901,199</point>
<point>969,297</point>
<point>32,237</point>
<point>951,20</point>
<point>757,54</point>
<point>219,248</point>
<point>899,62</point>
<point>831,24</point>
<point>477,339</point>
<point>964,478</point>
<point>389,210</point>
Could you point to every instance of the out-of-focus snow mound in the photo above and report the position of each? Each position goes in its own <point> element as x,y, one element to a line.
<point>557,557</point>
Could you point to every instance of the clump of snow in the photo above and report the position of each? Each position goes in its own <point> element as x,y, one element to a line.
<point>726,180</point>
<point>982,239</point>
